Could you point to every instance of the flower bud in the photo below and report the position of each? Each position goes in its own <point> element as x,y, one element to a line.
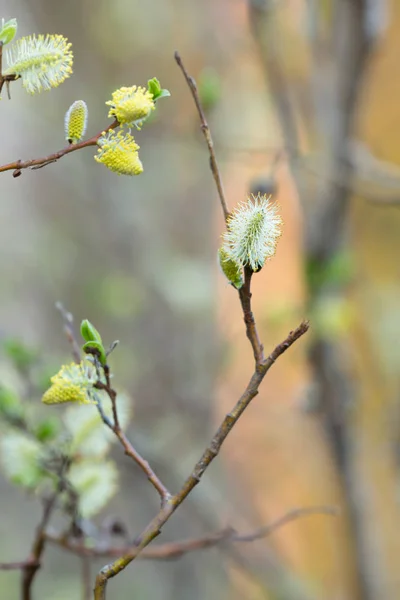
<point>253,230</point>
<point>75,121</point>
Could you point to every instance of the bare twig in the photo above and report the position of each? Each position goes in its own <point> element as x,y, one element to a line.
<point>112,395</point>
<point>14,566</point>
<point>272,62</point>
<point>207,134</point>
<point>154,527</point>
<point>251,328</point>
<point>33,563</point>
<point>126,444</point>
<point>174,550</point>
<point>244,292</point>
<point>18,165</point>
<point>69,331</point>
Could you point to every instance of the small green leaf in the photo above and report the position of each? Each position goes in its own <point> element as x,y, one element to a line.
<point>154,87</point>
<point>8,30</point>
<point>163,94</point>
<point>89,332</point>
<point>97,349</point>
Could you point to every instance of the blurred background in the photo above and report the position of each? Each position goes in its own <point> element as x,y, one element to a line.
<point>302,100</point>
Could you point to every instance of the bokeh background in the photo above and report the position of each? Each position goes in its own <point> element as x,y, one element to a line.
<point>302,99</point>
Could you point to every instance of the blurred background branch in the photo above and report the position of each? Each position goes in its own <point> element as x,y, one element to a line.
<point>177,549</point>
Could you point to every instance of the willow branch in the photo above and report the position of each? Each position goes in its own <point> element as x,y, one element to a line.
<point>154,527</point>
<point>126,444</point>
<point>244,292</point>
<point>207,134</point>
<point>174,550</point>
<point>69,331</point>
<point>15,566</point>
<point>262,366</point>
<point>32,565</point>
<point>115,425</point>
<point>251,327</point>
<point>36,163</point>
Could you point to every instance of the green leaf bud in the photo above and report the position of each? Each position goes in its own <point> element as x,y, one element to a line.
<point>231,269</point>
<point>8,31</point>
<point>97,349</point>
<point>155,89</point>
<point>89,332</point>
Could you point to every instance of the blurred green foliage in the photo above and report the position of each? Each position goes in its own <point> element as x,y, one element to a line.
<point>209,87</point>
<point>336,272</point>
<point>22,356</point>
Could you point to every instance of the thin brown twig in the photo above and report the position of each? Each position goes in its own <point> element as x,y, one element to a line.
<point>153,529</point>
<point>32,565</point>
<point>174,550</point>
<point>165,495</point>
<point>113,397</point>
<point>14,566</point>
<point>207,134</point>
<point>18,165</point>
<point>251,328</point>
<point>69,331</point>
